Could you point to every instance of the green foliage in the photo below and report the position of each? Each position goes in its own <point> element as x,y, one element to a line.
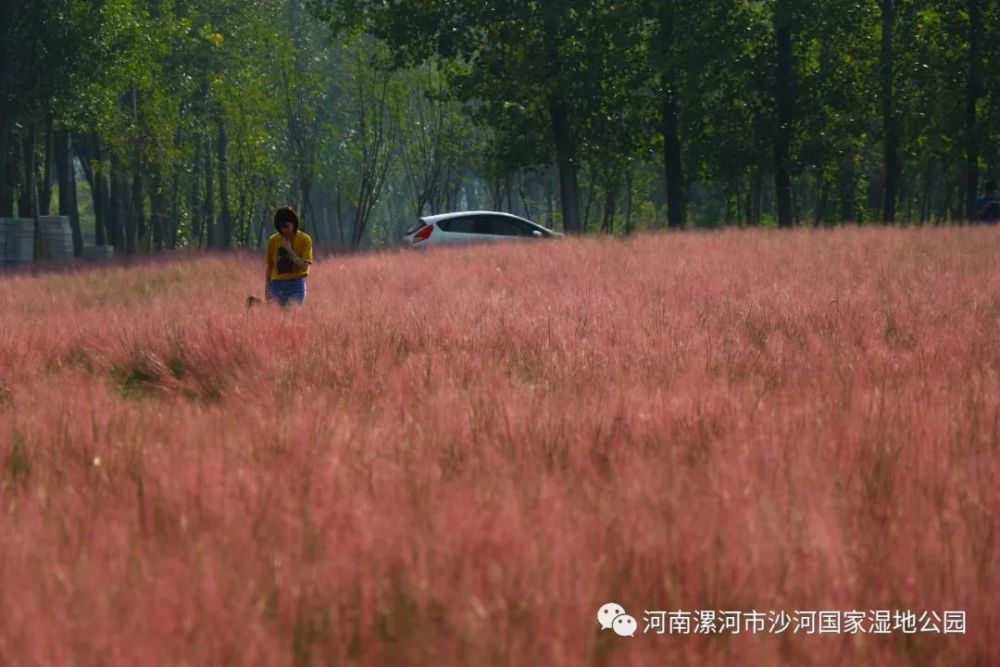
<point>363,113</point>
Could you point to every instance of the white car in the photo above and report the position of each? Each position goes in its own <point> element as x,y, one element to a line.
<point>473,226</point>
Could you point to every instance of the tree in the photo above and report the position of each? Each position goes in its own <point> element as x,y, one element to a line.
<point>433,137</point>
<point>540,67</point>
<point>192,119</point>
<point>890,118</point>
<point>669,67</point>
<point>49,50</point>
<point>374,136</point>
<point>973,94</point>
<point>784,98</point>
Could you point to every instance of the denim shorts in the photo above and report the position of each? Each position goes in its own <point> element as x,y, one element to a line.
<point>287,291</point>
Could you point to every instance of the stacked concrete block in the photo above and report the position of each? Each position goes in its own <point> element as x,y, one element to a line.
<point>18,239</point>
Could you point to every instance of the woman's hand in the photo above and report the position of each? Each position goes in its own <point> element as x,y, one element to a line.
<point>286,246</point>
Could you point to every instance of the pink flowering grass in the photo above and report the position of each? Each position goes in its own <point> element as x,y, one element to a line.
<point>455,457</point>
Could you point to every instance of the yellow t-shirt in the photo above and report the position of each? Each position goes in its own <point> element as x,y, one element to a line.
<point>281,267</point>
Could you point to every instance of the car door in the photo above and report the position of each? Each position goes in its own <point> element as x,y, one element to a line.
<point>528,229</point>
<point>458,230</point>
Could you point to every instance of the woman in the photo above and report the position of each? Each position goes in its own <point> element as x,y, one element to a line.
<point>289,256</point>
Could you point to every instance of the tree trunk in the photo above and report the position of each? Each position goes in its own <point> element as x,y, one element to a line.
<point>670,119</point>
<point>758,196</point>
<point>208,212</point>
<point>550,205</point>
<point>195,198</point>
<point>41,248</point>
<point>74,206</point>
<point>340,217</point>
<point>119,223</point>
<point>114,215</point>
<point>496,191</point>
<point>629,185</point>
<point>138,236</point>
<point>973,92</point>
<point>569,189</point>
<point>171,225</point>
<point>242,222</point>
<point>925,196</point>
<point>522,193</point>
<point>591,189</point>
<point>306,214</point>
<point>6,192</point>
<point>89,153</point>
<point>906,194</point>
<point>610,205</point>
<point>890,121</point>
<point>66,177</point>
<point>676,196</point>
<point>102,202</point>
<point>225,217</point>
<point>823,210</point>
<point>26,202</point>
<point>158,202</point>
<point>45,185</point>
<point>784,106</point>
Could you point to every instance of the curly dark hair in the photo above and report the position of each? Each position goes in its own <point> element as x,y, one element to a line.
<point>286,214</point>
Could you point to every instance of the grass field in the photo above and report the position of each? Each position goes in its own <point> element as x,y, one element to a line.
<point>456,457</point>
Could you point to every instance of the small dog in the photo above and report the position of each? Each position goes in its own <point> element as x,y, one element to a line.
<point>253,301</point>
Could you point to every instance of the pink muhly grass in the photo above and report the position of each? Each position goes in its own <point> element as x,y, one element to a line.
<point>455,457</point>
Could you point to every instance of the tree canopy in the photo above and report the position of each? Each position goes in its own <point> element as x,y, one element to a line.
<point>187,121</point>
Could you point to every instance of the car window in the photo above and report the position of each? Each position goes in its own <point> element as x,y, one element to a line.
<point>501,226</point>
<point>492,225</point>
<point>458,225</point>
<point>525,228</point>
